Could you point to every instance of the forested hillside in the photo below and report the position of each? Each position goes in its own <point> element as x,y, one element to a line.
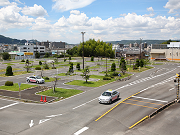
<point>7,40</point>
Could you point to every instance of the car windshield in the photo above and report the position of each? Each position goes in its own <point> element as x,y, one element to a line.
<point>106,94</point>
<point>38,77</point>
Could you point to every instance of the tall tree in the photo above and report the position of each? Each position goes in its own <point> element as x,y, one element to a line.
<point>122,65</point>
<point>85,73</point>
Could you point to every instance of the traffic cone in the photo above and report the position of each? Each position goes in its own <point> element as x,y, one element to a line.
<point>41,99</point>
<point>45,99</point>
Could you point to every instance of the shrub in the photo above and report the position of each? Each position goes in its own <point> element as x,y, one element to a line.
<point>38,68</point>
<point>106,78</point>
<point>22,60</point>
<point>40,63</point>
<point>53,67</point>
<point>46,78</point>
<point>9,83</point>
<point>9,71</point>
<point>46,66</point>
<point>113,67</point>
<point>114,74</point>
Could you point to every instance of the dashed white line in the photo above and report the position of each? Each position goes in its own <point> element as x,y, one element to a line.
<point>81,130</point>
<point>150,99</point>
<point>9,105</point>
<point>84,104</point>
<point>171,89</point>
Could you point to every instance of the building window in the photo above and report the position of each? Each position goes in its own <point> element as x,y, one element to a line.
<point>35,47</point>
<point>41,47</point>
<point>177,53</point>
<point>24,47</point>
<point>41,51</point>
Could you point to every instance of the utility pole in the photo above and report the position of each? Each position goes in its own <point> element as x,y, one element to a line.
<point>83,46</point>
<point>140,49</point>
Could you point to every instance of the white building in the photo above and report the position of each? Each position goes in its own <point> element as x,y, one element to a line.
<point>32,48</point>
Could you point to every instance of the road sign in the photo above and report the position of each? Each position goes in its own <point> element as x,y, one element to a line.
<point>119,74</point>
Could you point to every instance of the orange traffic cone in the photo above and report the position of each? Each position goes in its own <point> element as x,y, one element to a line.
<point>45,99</point>
<point>41,99</point>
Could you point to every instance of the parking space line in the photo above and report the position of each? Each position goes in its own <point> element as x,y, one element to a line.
<point>150,99</point>
<point>145,102</point>
<point>8,105</point>
<point>139,105</point>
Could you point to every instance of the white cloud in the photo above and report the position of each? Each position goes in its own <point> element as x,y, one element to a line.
<point>65,5</point>
<point>172,5</point>
<point>34,11</point>
<point>10,17</point>
<point>76,12</point>
<point>4,2</point>
<point>150,9</point>
<point>41,24</point>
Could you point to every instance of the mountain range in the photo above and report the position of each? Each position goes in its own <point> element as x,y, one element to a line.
<point>7,40</point>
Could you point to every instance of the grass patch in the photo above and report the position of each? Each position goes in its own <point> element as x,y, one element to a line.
<point>15,87</point>
<point>60,92</point>
<point>16,73</point>
<point>8,64</point>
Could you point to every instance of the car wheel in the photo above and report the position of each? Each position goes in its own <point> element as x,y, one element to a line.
<point>110,101</point>
<point>28,81</point>
<point>37,82</point>
<point>117,97</point>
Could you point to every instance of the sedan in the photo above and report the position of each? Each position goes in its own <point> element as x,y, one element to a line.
<point>109,96</point>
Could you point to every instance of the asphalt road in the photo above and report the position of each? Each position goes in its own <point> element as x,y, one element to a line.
<point>82,114</point>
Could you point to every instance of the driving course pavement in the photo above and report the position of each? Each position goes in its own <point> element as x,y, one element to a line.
<point>82,114</point>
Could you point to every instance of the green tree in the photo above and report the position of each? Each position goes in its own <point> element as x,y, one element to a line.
<point>122,65</point>
<point>146,61</point>
<point>92,58</point>
<point>27,65</point>
<point>113,67</point>
<point>5,56</point>
<point>71,68</point>
<point>137,63</point>
<point>78,66</point>
<point>37,55</point>
<point>9,71</point>
<point>40,63</point>
<point>85,73</point>
<point>47,55</point>
<point>141,63</point>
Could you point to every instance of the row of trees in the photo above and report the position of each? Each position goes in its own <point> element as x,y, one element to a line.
<point>93,48</point>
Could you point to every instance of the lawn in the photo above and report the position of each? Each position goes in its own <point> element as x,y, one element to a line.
<point>16,73</point>
<point>60,92</point>
<point>15,87</point>
<point>50,79</point>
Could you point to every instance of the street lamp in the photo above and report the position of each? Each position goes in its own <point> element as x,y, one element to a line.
<point>83,46</point>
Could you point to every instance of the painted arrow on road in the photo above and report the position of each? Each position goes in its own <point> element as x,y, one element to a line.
<point>31,124</point>
<point>44,120</point>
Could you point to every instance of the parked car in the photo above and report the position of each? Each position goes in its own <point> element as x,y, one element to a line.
<point>109,96</point>
<point>36,79</point>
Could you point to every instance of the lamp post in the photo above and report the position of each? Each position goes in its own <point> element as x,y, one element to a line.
<point>83,46</point>
<point>140,49</point>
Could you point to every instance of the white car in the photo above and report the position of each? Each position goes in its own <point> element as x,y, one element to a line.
<point>36,79</point>
<point>109,96</point>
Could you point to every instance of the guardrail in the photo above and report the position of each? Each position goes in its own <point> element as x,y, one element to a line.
<point>162,108</point>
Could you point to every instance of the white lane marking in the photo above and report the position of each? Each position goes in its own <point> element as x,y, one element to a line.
<point>54,115</point>
<point>84,104</point>
<point>150,99</point>
<point>31,124</point>
<point>171,89</point>
<point>81,130</point>
<point>43,120</point>
<point>8,105</point>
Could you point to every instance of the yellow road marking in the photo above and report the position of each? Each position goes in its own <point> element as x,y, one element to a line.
<point>139,105</point>
<point>145,102</point>
<point>115,106</point>
<point>139,121</point>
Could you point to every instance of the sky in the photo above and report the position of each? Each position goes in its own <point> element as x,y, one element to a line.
<point>106,20</point>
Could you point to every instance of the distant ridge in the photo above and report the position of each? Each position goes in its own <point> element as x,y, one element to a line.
<point>138,41</point>
<point>7,40</point>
